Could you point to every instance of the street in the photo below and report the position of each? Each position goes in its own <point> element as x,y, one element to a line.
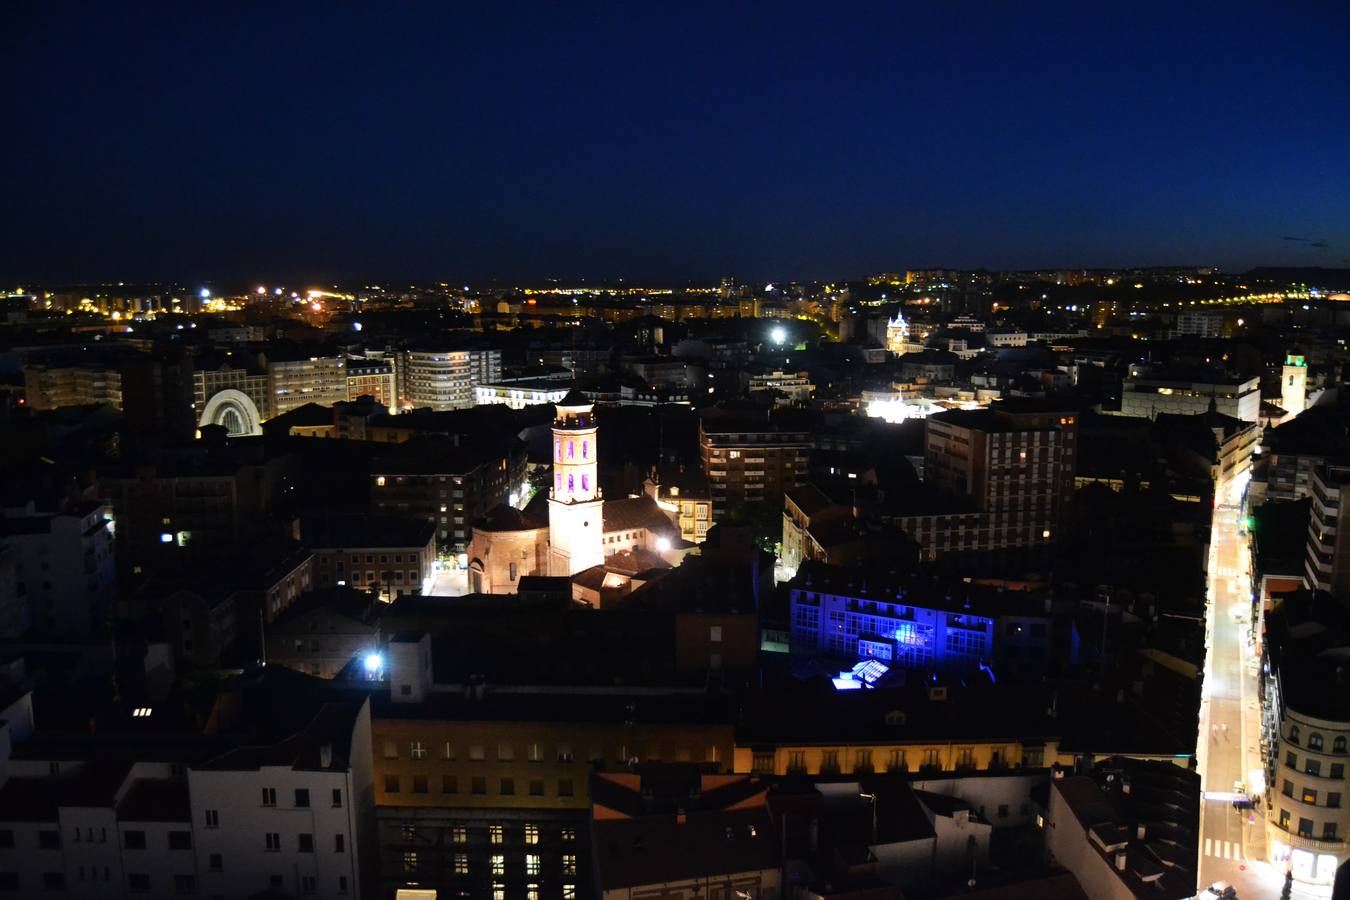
<point>1232,841</point>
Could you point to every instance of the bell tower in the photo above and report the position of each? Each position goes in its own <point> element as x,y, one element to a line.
<point>575,524</point>
<point>1294,384</point>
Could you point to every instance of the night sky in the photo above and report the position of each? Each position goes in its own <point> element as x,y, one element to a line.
<point>193,140</point>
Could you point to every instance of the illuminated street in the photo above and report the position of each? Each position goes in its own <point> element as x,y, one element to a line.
<point>1232,841</point>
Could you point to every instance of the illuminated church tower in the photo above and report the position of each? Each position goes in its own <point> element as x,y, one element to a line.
<point>1294,384</point>
<point>897,336</point>
<point>575,524</point>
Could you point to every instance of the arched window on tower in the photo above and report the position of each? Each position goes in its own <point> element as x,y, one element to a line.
<point>570,485</point>
<point>585,448</point>
<point>585,482</point>
<point>571,449</point>
<point>557,451</point>
<point>557,483</point>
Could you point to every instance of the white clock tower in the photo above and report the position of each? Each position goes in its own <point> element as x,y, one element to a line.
<point>575,520</point>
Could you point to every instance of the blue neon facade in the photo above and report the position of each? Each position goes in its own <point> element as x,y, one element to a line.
<point>899,633</point>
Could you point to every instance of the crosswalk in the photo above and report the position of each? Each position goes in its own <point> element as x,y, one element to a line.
<point>1223,849</point>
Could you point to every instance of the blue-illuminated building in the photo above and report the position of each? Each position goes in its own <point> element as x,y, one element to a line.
<point>907,623</point>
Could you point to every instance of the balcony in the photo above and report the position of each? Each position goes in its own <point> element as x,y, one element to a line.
<point>1301,842</point>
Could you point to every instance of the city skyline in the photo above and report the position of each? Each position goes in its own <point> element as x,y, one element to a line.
<point>594,144</point>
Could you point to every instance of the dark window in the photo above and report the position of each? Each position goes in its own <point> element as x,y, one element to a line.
<point>301,797</point>
<point>339,843</point>
<point>6,838</point>
<point>184,884</point>
<point>478,785</point>
<point>536,787</point>
<point>53,881</point>
<point>337,797</point>
<point>449,784</point>
<point>9,881</point>
<point>306,843</point>
<point>138,881</point>
<point>180,840</point>
<point>564,787</point>
<point>391,784</point>
<point>508,786</point>
<point>216,862</point>
<point>133,840</point>
<point>50,840</point>
<point>419,785</point>
<point>1333,799</point>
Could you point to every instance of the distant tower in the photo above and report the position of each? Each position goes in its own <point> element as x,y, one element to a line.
<point>1294,385</point>
<point>575,524</point>
<point>897,335</point>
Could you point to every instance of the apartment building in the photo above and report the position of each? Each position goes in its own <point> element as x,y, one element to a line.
<point>65,567</point>
<point>153,815</point>
<point>913,623</point>
<point>484,794</point>
<point>376,377</point>
<point>1146,392</point>
<point>294,379</point>
<point>1015,461</point>
<point>443,379</point>
<point>1307,750</point>
<point>1327,564</point>
<point>686,497</point>
<point>54,385</point>
<point>448,481</point>
<point>751,461</point>
<point>393,555</point>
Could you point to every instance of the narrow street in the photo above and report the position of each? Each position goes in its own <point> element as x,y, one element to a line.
<point>1232,841</point>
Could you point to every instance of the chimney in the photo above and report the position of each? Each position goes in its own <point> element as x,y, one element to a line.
<point>325,756</point>
<point>1141,831</point>
<point>1120,861</point>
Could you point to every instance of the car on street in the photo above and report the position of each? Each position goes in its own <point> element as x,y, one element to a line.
<point>1222,890</point>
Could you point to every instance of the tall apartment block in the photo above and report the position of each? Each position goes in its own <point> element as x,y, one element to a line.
<point>1015,461</point>
<point>751,462</point>
<point>445,379</point>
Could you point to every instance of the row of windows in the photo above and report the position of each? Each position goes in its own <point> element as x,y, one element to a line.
<point>534,751</point>
<point>1316,741</point>
<point>496,832</point>
<point>1332,798</point>
<point>1305,827</point>
<point>895,760</point>
<point>459,862</point>
<point>269,798</point>
<point>478,784</point>
<point>1314,766</point>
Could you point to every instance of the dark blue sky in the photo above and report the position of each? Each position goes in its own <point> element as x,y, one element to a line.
<point>200,141</point>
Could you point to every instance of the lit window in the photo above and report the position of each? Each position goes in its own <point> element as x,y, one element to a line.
<point>531,863</point>
<point>498,864</point>
<point>495,835</point>
<point>531,834</point>
<point>380,481</point>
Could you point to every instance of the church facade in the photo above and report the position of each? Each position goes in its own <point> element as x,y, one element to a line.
<point>573,531</point>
